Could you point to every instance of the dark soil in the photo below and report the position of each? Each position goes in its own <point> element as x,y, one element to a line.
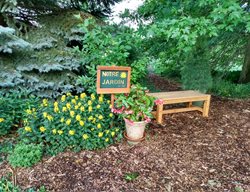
<point>190,153</point>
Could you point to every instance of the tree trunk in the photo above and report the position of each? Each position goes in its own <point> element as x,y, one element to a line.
<point>245,73</point>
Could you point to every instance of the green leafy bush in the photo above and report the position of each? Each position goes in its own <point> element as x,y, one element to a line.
<point>73,122</point>
<point>12,106</point>
<point>229,89</point>
<point>7,186</point>
<point>110,45</point>
<point>25,155</point>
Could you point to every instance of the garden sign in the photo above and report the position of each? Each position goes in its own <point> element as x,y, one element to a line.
<point>113,79</point>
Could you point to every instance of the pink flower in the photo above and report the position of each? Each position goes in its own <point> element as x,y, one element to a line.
<point>147,120</point>
<point>117,111</point>
<point>130,122</point>
<point>128,112</point>
<point>159,102</point>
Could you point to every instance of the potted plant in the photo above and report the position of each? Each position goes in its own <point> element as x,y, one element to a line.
<point>135,108</point>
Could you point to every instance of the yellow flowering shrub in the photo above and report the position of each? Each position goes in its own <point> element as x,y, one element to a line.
<point>65,124</point>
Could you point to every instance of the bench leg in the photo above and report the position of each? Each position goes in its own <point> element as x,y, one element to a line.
<point>206,107</point>
<point>189,104</point>
<point>159,113</point>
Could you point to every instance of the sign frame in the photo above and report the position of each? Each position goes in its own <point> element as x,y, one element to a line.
<point>100,90</point>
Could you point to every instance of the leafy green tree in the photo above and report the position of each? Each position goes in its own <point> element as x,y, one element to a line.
<point>177,30</point>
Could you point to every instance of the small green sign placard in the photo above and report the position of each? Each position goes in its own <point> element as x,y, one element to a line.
<point>113,79</point>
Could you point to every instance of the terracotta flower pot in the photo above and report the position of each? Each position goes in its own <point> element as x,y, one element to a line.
<point>135,131</point>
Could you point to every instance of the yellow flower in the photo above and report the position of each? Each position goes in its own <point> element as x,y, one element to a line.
<point>94,120</point>
<point>113,133</point>
<point>1,120</point>
<point>85,136</point>
<point>108,101</point>
<point>56,109</point>
<point>107,131</point>
<point>90,108</point>
<point>49,117</point>
<point>72,113</point>
<point>76,97</point>
<point>78,117</point>
<point>79,104</point>
<point>81,123</point>
<point>89,102</point>
<point>107,139</point>
<point>100,134</point>
<point>73,101</point>
<point>100,117</point>
<point>68,121</point>
<point>34,109</point>
<point>63,98</point>
<point>100,99</point>
<point>28,129</point>
<point>111,114</point>
<point>123,75</point>
<point>56,104</point>
<point>99,125</point>
<point>83,95</point>
<point>42,129</point>
<point>28,111</point>
<point>110,106</point>
<point>71,132</point>
<point>90,118</point>
<point>92,97</point>
<point>68,94</point>
<point>60,132</point>
<point>76,107</point>
<point>82,109</point>
<point>45,114</point>
<point>68,105</point>
<point>117,129</point>
<point>54,131</point>
<point>64,109</point>
<point>98,106</point>
<point>92,129</point>
<point>45,102</point>
<point>62,120</point>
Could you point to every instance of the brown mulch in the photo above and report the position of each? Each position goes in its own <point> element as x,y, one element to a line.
<point>190,153</point>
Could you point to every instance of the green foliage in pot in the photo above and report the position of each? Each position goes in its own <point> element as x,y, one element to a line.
<point>72,122</point>
<point>136,105</point>
<point>25,155</point>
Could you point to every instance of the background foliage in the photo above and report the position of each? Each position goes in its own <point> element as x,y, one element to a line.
<point>195,38</point>
<point>110,45</point>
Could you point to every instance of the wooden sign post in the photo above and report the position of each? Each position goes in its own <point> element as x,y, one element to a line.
<point>113,79</point>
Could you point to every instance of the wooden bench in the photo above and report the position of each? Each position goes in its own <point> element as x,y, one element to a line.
<point>175,97</point>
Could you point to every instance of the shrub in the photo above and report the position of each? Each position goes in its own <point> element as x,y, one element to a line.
<point>12,106</point>
<point>7,186</point>
<point>74,122</point>
<point>25,155</point>
<point>110,45</point>
<point>228,89</point>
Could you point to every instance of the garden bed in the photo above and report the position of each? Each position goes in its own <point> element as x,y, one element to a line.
<point>191,153</point>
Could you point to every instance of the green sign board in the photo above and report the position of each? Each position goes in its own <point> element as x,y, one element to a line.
<point>113,79</point>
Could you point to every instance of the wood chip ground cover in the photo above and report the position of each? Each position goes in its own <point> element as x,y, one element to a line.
<point>190,153</point>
